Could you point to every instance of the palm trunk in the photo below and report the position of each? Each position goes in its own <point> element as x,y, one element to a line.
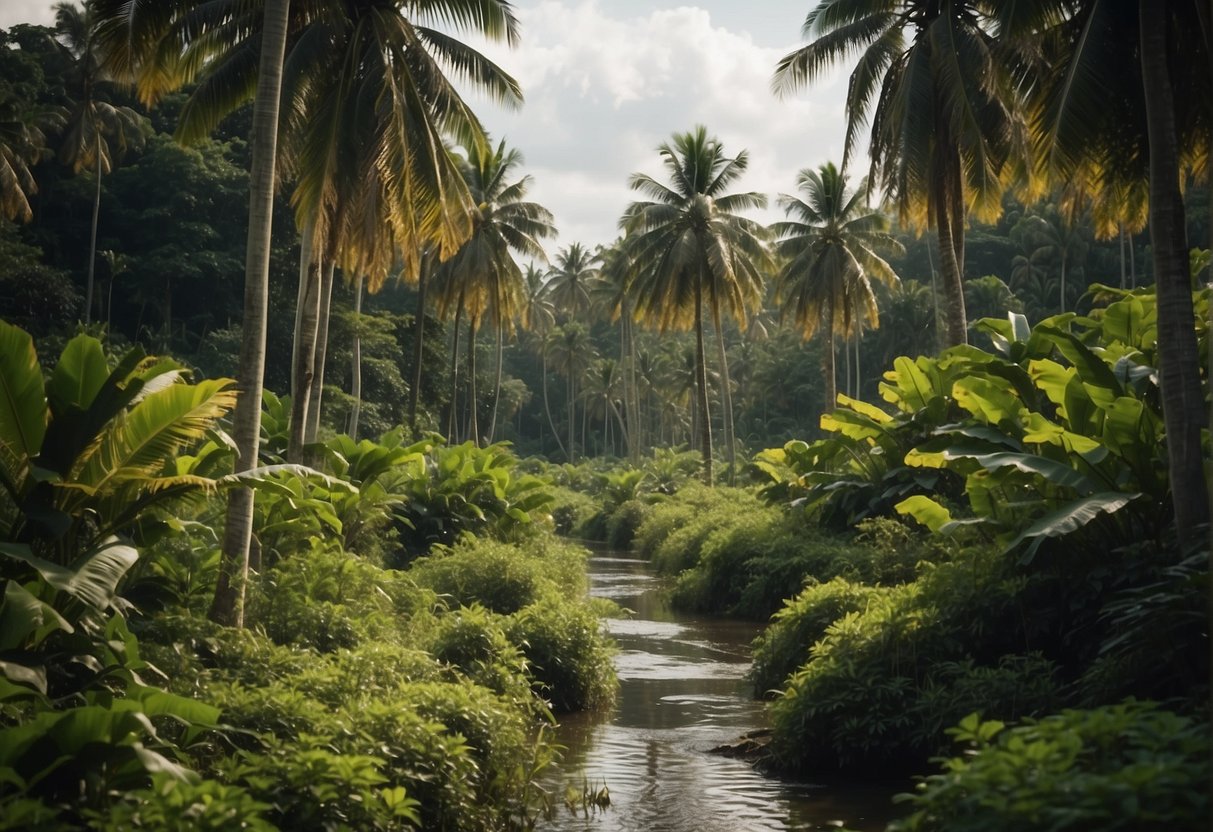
<point>228,604</point>
<point>828,371</point>
<point>322,344</point>
<point>571,395</point>
<point>356,385</point>
<point>956,329</point>
<point>543,358</point>
<point>92,244</point>
<point>726,392</point>
<point>418,340</point>
<point>473,404</point>
<point>632,403</point>
<point>303,359</point>
<point>1122,254</point>
<point>701,382</point>
<point>496,386</point>
<point>1063,283</point>
<point>1179,362</point>
<point>452,414</point>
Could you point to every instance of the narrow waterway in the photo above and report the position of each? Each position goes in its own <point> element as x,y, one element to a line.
<point>683,692</point>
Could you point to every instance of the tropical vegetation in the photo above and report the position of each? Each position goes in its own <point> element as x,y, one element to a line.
<point>295,452</point>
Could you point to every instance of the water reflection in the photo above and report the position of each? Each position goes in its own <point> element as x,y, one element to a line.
<point>682,692</point>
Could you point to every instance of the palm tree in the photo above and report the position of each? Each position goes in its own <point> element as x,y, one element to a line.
<point>483,271</point>
<point>537,316</point>
<point>611,293</point>
<point>692,247</point>
<point>22,146</point>
<point>97,131</point>
<point>829,248</point>
<point>570,280</point>
<point>932,83</point>
<point>369,96</point>
<point>1111,113</point>
<point>572,352</point>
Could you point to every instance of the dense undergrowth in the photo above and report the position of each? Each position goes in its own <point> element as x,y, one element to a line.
<point>995,547</point>
<point>356,696</point>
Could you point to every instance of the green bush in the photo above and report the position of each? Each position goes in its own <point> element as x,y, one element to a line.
<point>783,647</point>
<point>622,524</point>
<point>879,684</point>
<point>170,805</point>
<point>503,577</point>
<point>571,511</point>
<point>1130,766</point>
<point>673,532</point>
<point>568,653</point>
<point>474,641</point>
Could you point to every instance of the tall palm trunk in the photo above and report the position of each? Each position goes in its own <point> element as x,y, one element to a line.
<point>92,243</point>
<point>473,405</point>
<point>828,371</point>
<point>571,407</point>
<point>496,386</point>
<point>1179,363</point>
<point>632,402</point>
<point>543,359</point>
<point>956,328</point>
<point>452,414</point>
<point>419,339</point>
<point>322,344</point>
<point>726,392</point>
<point>228,604</point>
<point>1122,255</point>
<point>303,359</point>
<point>356,369</point>
<point>701,383</point>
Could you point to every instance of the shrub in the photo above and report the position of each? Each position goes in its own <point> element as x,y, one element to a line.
<point>474,641</point>
<point>571,511</point>
<point>569,656</point>
<point>623,522</point>
<point>866,698</point>
<point>1126,767</point>
<point>503,577</point>
<point>784,646</point>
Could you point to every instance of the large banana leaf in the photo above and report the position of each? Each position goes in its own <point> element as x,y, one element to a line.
<point>93,578</point>
<point>23,414</point>
<point>1067,519</point>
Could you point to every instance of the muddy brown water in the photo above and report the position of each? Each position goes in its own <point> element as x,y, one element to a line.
<point>682,692</point>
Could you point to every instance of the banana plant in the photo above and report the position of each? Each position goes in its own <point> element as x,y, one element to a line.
<point>1063,434</point>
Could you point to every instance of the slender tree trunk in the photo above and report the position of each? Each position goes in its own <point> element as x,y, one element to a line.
<point>473,404</point>
<point>726,393</point>
<point>828,371</point>
<point>543,358</point>
<point>303,365</point>
<point>956,329</point>
<point>356,385</point>
<point>1122,256</point>
<point>1063,282</point>
<point>228,604</point>
<point>452,414</point>
<point>1179,362</point>
<point>322,344</point>
<point>571,394</point>
<point>419,339</point>
<point>634,416</point>
<point>496,386</point>
<point>92,241</point>
<point>1132,264</point>
<point>701,381</point>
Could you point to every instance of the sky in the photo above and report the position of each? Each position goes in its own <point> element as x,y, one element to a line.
<point>607,81</point>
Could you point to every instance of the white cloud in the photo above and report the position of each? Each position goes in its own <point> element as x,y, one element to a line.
<point>13,12</point>
<point>604,89</point>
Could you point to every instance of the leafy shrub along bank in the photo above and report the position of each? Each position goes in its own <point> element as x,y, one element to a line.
<point>357,697</point>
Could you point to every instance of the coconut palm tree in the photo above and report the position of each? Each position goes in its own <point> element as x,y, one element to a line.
<point>1111,112</point>
<point>611,294</point>
<point>572,353</point>
<point>934,85</point>
<point>693,247</point>
<point>482,275</point>
<point>829,249</point>
<point>570,280</point>
<point>22,145</point>
<point>537,316</point>
<point>97,131</point>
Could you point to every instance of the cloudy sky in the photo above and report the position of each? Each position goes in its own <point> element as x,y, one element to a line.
<point>606,81</point>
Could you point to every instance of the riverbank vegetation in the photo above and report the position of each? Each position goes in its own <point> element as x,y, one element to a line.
<point>289,450</point>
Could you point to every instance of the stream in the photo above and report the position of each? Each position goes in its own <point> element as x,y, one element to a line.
<point>682,692</point>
